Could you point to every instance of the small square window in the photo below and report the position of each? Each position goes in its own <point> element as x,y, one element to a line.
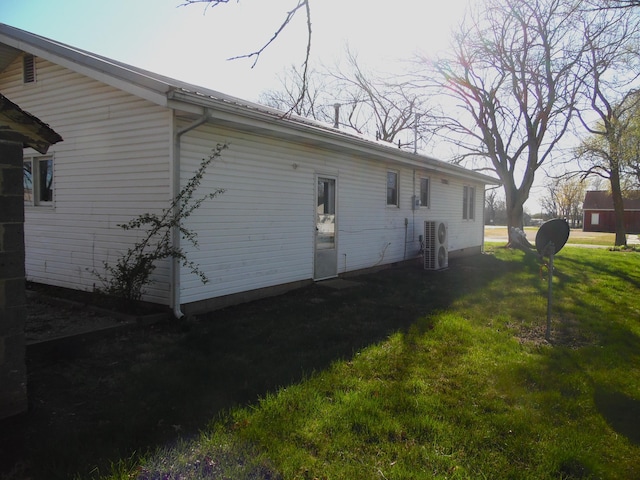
<point>28,69</point>
<point>392,188</point>
<point>424,192</point>
<point>38,181</point>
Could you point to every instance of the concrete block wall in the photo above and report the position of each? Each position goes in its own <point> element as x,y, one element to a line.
<point>13,371</point>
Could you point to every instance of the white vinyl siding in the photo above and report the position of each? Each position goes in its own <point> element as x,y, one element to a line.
<point>462,233</point>
<point>260,232</point>
<point>112,165</point>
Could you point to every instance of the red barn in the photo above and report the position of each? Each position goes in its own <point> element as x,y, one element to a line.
<point>599,215</point>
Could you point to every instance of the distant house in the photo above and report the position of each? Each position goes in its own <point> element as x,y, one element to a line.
<point>598,213</point>
<point>304,201</point>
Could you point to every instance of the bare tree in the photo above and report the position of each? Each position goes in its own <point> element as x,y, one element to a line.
<point>368,103</point>
<point>612,37</point>
<point>300,5</point>
<point>387,107</point>
<point>631,145</point>
<point>495,211</point>
<point>513,80</point>
<point>549,201</point>
<point>618,4</point>
<point>603,153</point>
<point>564,199</point>
<point>306,98</point>
<point>634,169</point>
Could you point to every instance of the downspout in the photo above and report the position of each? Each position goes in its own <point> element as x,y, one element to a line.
<point>484,217</point>
<point>414,207</point>
<point>175,235</point>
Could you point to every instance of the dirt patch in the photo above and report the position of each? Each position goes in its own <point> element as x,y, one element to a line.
<point>565,332</point>
<point>49,318</point>
<point>54,313</point>
<point>79,356</point>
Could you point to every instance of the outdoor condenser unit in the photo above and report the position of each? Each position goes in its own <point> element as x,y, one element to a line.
<point>436,245</point>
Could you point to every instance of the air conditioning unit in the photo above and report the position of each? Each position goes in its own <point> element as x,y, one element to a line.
<point>436,245</point>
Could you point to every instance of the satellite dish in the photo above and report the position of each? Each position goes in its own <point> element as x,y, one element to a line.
<point>556,231</point>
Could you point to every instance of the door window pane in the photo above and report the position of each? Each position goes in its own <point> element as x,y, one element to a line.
<point>326,214</point>
<point>392,188</point>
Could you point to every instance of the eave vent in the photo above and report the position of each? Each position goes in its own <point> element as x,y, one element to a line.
<point>28,69</point>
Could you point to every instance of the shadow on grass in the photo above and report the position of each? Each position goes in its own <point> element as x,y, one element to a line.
<point>586,266</point>
<point>621,412</point>
<point>594,335</point>
<point>99,401</point>
<point>588,295</point>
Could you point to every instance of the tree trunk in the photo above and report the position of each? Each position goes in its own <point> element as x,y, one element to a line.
<point>618,208</point>
<point>515,211</point>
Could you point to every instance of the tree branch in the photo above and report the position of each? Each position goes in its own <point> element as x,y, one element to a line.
<point>287,20</point>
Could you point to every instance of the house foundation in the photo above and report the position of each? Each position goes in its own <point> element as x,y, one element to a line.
<point>13,371</point>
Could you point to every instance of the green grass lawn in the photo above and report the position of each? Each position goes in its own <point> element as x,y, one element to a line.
<point>577,236</point>
<point>407,374</point>
<point>449,376</point>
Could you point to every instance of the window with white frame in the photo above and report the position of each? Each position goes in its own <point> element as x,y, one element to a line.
<point>595,219</point>
<point>392,188</point>
<point>424,192</point>
<point>38,180</point>
<point>468,202</point>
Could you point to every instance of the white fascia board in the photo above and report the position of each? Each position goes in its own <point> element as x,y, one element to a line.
<point>189,109</point>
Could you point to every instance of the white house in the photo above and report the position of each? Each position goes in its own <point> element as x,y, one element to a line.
<point>303,201</point>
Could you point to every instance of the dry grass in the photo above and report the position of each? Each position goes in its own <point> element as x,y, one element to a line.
<point>577,236</point>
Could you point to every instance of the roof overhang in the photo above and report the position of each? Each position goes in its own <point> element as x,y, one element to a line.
<point>19,126</point>
<point>266,121</point>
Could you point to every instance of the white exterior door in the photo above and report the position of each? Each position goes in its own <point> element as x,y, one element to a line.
<point>326,253</point>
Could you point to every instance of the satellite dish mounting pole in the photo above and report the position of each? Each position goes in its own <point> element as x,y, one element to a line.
<point>550,239</point>
<point>551,249</point>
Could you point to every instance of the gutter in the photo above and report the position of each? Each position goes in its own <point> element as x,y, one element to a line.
<point>175,190</point>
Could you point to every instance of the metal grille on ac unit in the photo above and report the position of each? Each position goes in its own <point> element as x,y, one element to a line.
<point>436,245</point>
